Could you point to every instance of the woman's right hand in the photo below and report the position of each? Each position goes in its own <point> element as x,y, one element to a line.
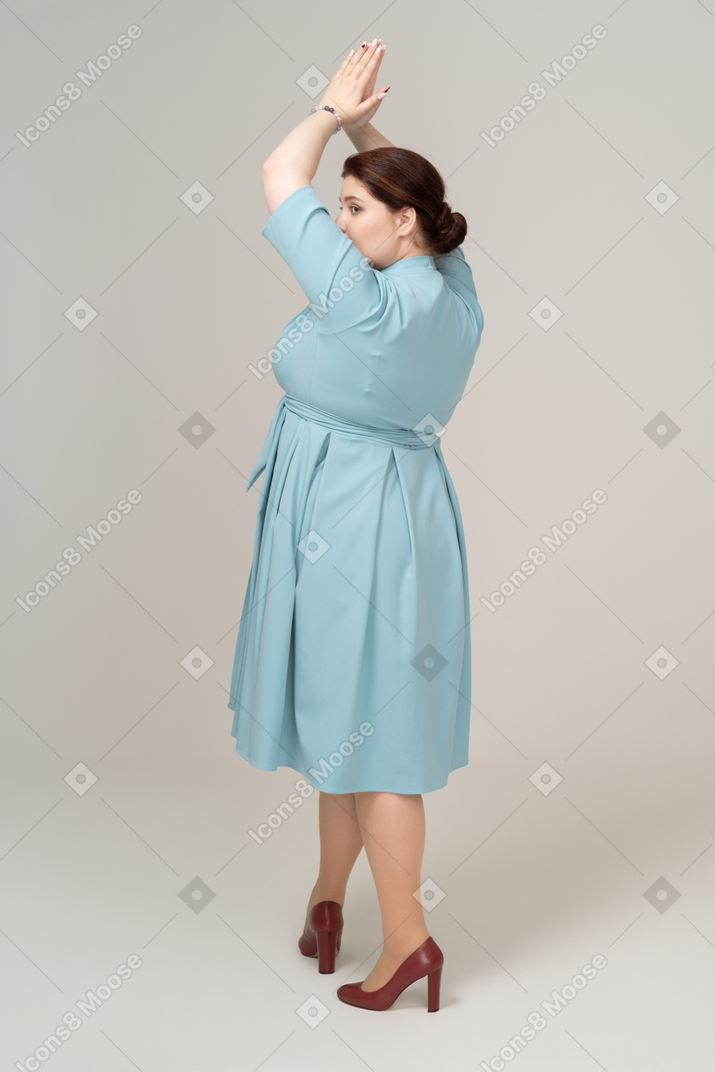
<point>368,91</point>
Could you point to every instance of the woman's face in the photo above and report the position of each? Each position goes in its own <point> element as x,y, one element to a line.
<point>381,235</point>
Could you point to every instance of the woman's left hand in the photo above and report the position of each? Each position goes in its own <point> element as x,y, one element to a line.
<point>350,90</point>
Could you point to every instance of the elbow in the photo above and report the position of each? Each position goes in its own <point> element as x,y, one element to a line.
<point>277,171</point>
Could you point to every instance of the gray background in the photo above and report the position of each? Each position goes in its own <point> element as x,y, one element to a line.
<point>600,665</point>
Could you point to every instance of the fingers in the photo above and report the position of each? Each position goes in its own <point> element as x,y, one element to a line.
<point>366,71</point>
<point>374,63</point>
<point>366,56</point>
<point>353,60</point>
<point>372,51</point>
<point>374,69</point>
<point>359,70</point>
<point>366,79</point>
<point>369,85</point>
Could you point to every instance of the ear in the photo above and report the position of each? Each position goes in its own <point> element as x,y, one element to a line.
<point>408,219</point>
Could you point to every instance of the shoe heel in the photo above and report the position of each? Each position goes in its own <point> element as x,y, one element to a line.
<point>433,980</point>
<point>327,942</point>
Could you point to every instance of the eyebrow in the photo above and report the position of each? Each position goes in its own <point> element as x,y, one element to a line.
<point>349,197</point>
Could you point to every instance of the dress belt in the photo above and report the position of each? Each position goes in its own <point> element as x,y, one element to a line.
<point>403,437</point>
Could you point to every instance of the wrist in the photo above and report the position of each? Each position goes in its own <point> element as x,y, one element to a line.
<point>333,113</point>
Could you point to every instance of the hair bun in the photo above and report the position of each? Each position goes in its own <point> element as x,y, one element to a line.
<point>450,229</point>
<point>445,217</point>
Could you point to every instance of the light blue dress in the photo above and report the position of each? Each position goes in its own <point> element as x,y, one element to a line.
<point>353,656</point>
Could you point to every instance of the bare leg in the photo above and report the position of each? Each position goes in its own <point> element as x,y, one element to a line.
<point>393,832</point>
<point>340,845</point>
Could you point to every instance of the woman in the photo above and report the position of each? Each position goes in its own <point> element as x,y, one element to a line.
<point>352,662</point>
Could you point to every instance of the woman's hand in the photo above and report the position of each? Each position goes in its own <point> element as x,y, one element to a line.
<point>351,89</point>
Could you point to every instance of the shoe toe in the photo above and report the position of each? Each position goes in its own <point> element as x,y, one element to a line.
<point>348,991</point>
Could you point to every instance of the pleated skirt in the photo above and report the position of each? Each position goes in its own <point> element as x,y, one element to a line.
<point>353,658</point>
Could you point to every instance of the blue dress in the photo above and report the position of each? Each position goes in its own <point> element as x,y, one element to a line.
<point>353,656</point>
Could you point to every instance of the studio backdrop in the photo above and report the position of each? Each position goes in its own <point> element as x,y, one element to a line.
<point>154,883</point>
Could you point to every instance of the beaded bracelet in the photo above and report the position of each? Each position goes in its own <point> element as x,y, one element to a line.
<point>329,109</point>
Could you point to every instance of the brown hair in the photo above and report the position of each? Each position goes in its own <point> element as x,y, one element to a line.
<point>399,177</point>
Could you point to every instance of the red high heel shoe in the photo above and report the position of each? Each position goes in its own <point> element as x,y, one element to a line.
<point>426,960</point>
<point>322,934</point>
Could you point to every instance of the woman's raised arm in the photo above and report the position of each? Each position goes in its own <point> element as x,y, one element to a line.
<point>295,161</point>
<point>367,137</point>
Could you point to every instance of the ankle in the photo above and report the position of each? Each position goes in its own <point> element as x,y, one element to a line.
<point>326,894</point>
<point>402,943</point>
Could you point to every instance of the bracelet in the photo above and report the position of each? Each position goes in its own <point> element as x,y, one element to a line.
<point>329,109</point>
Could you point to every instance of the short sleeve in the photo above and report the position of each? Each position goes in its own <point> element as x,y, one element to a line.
<point>337,280</point>
<point>458,276</point>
